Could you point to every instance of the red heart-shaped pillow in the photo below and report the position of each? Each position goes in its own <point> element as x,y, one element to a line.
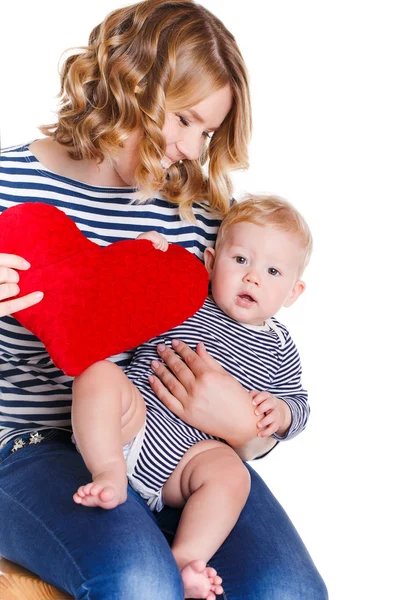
<point>97,301</point>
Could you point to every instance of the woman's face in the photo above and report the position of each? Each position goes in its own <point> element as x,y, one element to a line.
<point>187,130</point>
<point>185,133</point>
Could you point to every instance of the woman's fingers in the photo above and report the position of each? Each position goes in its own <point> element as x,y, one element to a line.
<point>13,262</point>
<point>185,373</point>
<point>198,362</point>
<point>172,403</point>
<point>8,275</point>
<point>193,364</point>
<point>8,290</point>
<point>207,358</point>
<point>170,381</point>
<point>12,306</point>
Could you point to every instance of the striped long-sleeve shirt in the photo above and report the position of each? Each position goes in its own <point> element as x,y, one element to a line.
<point>34,394</point>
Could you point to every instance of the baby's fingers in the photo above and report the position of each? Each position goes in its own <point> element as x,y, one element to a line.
<point>261,397</point>
<point>263,407</point>
<point>266,421</point>
<point>268,425</point>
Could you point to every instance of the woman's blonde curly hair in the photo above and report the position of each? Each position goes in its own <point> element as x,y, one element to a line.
<point>141,61</point>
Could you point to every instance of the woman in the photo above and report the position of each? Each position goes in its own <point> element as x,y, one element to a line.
<point>142,107</point>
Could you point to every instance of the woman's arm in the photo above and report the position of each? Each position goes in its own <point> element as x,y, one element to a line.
<point>199,391</point>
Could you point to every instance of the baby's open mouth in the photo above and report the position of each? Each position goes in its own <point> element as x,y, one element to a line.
<point>246,297</point>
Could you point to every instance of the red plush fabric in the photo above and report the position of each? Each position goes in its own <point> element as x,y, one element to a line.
<point>97,301</point>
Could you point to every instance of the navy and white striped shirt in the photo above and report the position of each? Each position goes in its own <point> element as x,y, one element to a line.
<point>34,394</point>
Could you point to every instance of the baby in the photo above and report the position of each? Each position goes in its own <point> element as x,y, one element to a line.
<point>123,430</point>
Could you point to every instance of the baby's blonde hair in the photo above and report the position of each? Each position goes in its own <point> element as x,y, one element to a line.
<point>140,60</point>
<point>269,210</point>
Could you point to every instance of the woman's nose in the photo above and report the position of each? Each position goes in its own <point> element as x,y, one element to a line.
<point>191,145</point>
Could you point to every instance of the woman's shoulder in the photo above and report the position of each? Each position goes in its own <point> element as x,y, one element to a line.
<point>18,152</point>
<point>21,157</point>
<point>16,164</point>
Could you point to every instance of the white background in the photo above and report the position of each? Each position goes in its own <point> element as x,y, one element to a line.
<point>326,103</point>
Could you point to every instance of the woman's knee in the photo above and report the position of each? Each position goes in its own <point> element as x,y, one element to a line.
<point>294,588</point>
<point>146,581</point>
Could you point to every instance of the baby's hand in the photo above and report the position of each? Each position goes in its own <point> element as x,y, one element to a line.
<point>159,242</point>
<point>271,411</point>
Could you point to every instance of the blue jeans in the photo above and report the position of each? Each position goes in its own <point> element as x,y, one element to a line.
<point>121,554</point>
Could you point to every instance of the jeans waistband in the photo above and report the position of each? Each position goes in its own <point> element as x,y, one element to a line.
<point>32,438</point>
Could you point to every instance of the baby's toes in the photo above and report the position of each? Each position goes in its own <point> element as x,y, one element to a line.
<point>107,494</point>
<point>94,489</point>
<point>211,573</point>
<point>81,491</point>
<point>86,489</point>
<point>218,589</point>
<point>90,501</point>
<point>77,498</point>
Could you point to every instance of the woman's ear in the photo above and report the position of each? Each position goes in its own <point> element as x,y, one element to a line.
<point>209,259</point>
<point>296,292</point>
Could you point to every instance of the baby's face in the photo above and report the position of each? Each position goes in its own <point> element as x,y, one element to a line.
<point>255,272</point>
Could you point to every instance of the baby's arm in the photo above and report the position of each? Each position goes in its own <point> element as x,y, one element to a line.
<point>284,408</point>
<point>159,241</point>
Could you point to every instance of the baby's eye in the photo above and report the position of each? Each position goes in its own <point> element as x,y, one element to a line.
<point>273,271</point>
<point>241,260</point>
<point>207,134</point>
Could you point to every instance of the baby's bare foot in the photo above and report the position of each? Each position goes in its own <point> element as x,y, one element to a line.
<point>200,581</point>
<point>107,490</point>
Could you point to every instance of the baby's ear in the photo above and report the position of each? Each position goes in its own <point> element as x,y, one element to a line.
<point>296,292</point>
<point>209,260</point>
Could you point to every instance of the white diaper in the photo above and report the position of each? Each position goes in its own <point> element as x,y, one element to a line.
<point>131,453</point>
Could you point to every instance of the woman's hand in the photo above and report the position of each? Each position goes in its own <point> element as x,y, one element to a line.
<point>199,391</point>
<point>9,288</point>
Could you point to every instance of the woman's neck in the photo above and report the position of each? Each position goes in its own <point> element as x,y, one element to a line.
<point>55,158</point>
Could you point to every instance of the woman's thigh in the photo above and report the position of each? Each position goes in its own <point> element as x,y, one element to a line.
<point>263,558</point>
<point>91,553</point>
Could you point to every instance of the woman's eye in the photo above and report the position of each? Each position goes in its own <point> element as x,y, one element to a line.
<point>273,271</point>
<point>241,260</point>
<point>183,121</point>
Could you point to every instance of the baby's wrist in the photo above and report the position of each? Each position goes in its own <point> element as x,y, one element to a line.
<point>286,417</point>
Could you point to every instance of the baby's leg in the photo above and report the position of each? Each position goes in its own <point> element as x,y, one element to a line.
<point>213,485</point>
<point>107,413</point>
